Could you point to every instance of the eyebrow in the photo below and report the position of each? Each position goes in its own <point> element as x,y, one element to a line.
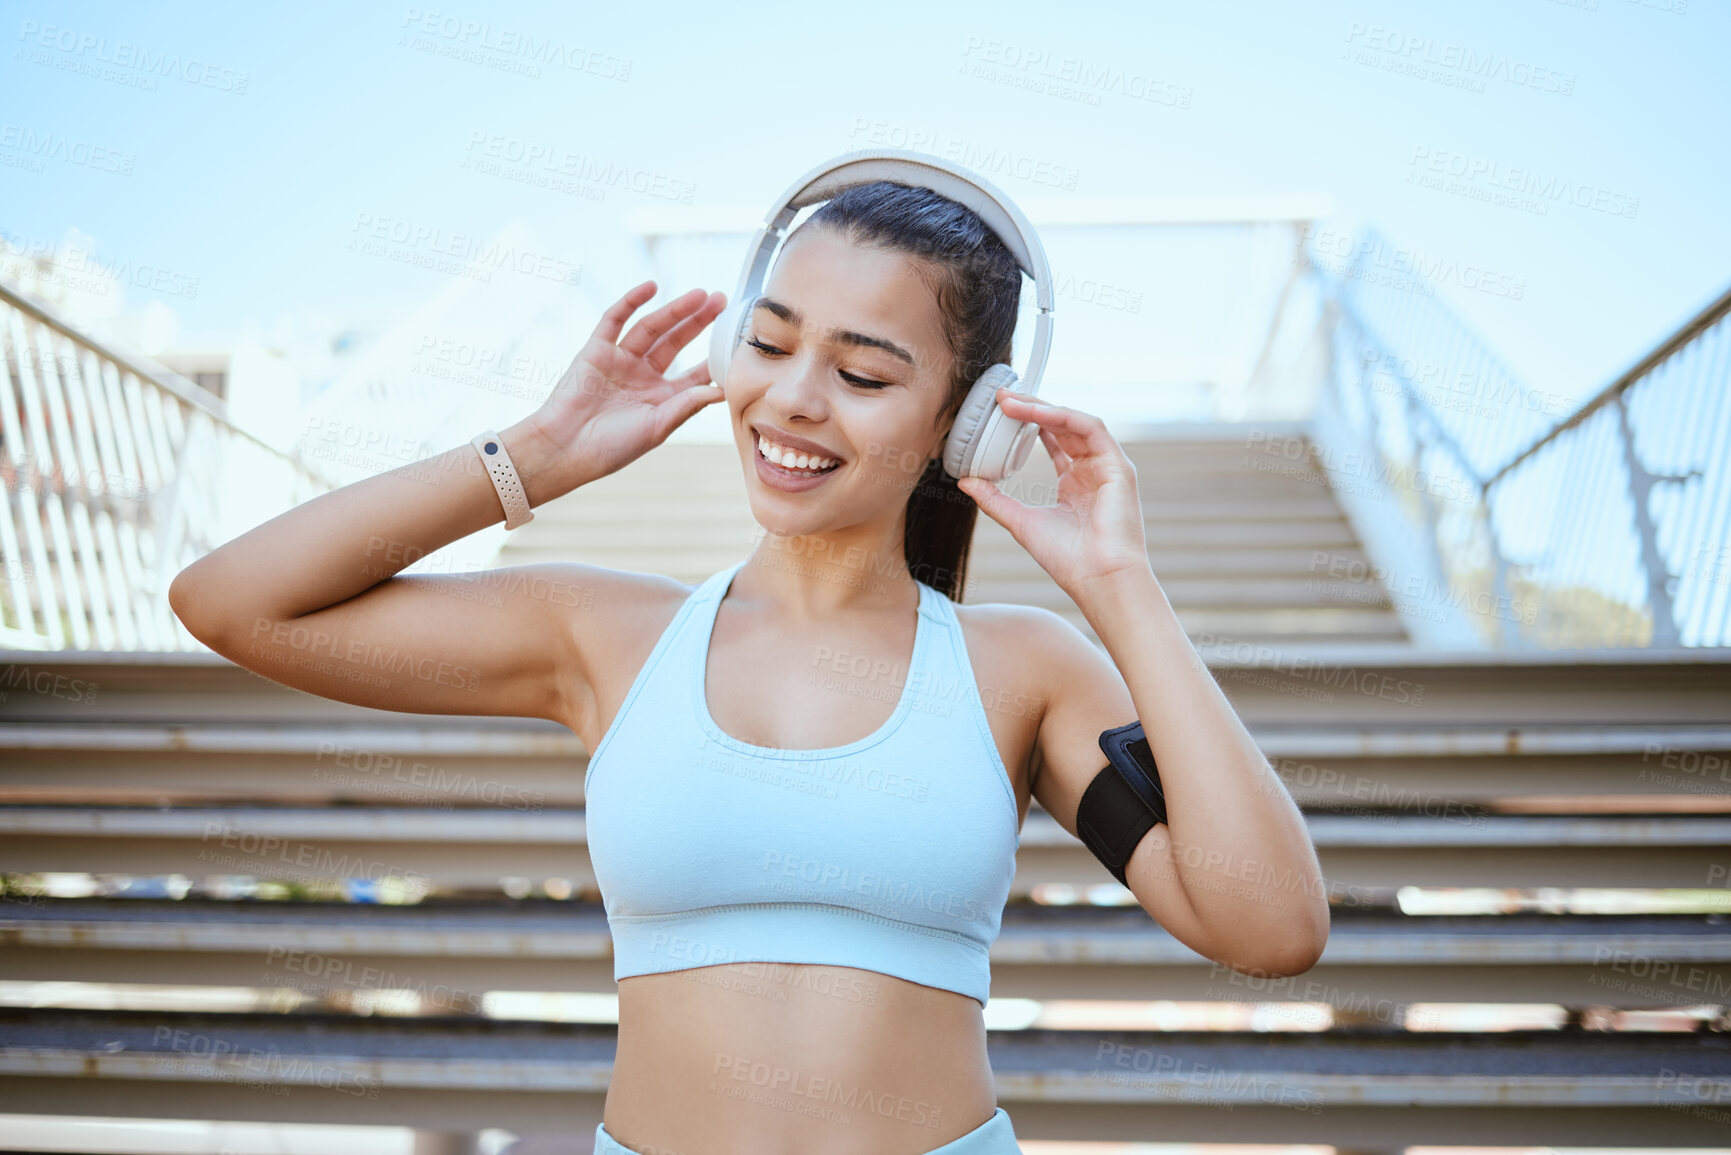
<point>846,336</point>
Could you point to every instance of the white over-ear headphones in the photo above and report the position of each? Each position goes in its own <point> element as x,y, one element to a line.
<point>983,442</point>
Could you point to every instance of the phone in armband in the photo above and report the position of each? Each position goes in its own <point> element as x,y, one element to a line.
<point>1124,802</point>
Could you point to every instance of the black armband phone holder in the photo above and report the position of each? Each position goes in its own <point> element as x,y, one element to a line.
<point>1124,802</point>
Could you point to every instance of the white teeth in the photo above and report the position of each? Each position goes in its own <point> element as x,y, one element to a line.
<point>788,459</point>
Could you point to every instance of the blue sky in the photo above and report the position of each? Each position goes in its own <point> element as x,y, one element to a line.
<point>250,169</point>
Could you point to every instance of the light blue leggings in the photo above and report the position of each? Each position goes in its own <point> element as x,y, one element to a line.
<point>993,1137</point>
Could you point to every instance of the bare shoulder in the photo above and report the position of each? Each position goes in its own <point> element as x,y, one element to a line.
<point>1041,655</point>
<point>1077,686</point>
<point>618,617</point>
<point>623,589</point>
<point>1031,665</point>
<point>618,604</point>
<point>1024,634</point>
<point>1024,648</point>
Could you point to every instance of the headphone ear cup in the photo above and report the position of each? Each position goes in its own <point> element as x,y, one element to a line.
<point>723,337</point>
<point>973,419</point>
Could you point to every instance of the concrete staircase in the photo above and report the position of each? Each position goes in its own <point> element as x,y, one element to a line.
<point>1248,553</point>
<point>1414,769</point>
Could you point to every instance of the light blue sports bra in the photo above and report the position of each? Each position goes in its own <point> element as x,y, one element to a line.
<point>893,853</point>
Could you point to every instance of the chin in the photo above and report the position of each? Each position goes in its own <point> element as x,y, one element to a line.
<point>780,525</point>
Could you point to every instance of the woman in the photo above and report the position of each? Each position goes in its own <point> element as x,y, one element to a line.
<point>809,772</point>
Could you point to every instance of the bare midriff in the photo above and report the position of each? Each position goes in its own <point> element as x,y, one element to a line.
<point>779,1058</point>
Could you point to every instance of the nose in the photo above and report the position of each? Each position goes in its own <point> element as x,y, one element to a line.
<point>798,387</point>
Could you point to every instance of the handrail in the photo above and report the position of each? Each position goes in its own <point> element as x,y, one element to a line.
<point>1691,329</point>
<point>1572,526</point>
<point>1138,346</point>
<point>118,473</point>
<point>143,368</point>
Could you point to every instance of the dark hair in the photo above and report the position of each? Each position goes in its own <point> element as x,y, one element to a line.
<point>978,285</point>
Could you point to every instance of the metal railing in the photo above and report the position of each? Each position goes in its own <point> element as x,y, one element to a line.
<point>1604,526</point>
<point>117,474</point>
<point>1164,304</point>
<point>1600,527</point>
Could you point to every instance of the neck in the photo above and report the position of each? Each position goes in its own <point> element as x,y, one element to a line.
<point>812,576</point>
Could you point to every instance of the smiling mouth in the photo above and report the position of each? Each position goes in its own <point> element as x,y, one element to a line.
<point>796,463</point>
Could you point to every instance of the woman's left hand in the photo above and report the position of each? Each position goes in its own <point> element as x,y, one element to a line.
<point>1094,530</point>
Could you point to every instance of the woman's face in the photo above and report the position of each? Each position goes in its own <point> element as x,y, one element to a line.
<point>843,359</point>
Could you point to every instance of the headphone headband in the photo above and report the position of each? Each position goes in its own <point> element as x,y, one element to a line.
<point>998,211</point>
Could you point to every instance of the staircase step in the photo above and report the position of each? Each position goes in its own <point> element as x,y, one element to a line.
<point>1372,686</point>
<point>643,529</point>
<point>595,516</point>
<point>443,1073</point>
<point>691,563</point>
<point>1043,952</point>
<point>1291,624</point>
<point>1359,853</point>
<point>1228,514</point>
<point>386,763</point>
<point>1279,683</point>
<point>1431,768</point>
<point>1194,593</point>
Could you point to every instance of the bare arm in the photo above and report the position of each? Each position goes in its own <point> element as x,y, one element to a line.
<point>1233,874</point>
<point>312,598</point>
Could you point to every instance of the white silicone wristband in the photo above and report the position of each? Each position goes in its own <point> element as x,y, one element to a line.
<point>504,477</point>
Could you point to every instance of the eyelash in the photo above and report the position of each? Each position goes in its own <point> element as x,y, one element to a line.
<point>862,382</point>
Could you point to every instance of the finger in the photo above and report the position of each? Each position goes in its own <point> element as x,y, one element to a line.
<point>662,353</point>
<point>677,409</point>
<point>613,320</point>
<point>698,374</point>
<point>1079,433</point>
<point>998,505</point>
<point>1060,459</point>
<point>646,332</point>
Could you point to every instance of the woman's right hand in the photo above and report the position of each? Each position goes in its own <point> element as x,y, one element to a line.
<point>615,402</point>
